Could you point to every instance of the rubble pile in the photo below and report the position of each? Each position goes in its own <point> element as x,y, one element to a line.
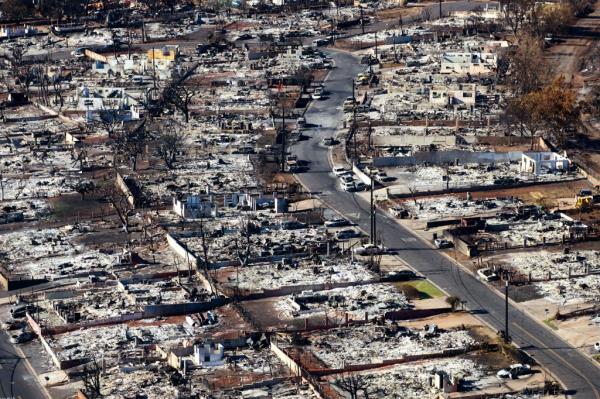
<point>372,299</point>
<point>452,206</point>
<point>267,276</point>
<point>375,344</point>
<point>412,381</point>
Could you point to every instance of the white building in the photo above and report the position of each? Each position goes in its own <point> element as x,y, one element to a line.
<point>543,162</point>
<point>463,63</point>
<point>194,207</point>
<point>461,94</point>
<point>208,355</point>
<point>104,103</point>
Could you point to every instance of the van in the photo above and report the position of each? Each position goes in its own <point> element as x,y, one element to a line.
<point>320,42</point>
<point>340,170</point>
<point>348,186</point>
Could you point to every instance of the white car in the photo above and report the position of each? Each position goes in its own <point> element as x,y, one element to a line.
<point>368,249</point>
<point>487,274</point>
<point>346,179</point>
<point>597,346</point>
<point>348,186</point>
<point>340,170</point>
<point>317,94</point>
<point>371,170</point>
<point>514,371</point>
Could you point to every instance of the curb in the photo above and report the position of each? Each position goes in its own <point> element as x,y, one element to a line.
<point>32,371</point>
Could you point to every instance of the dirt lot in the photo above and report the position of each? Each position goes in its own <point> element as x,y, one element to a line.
<point>398,12</point>
<point>554,195</point>
<point>567,56</point>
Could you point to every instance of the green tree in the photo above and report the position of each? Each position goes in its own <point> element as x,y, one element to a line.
<point>16,9</point>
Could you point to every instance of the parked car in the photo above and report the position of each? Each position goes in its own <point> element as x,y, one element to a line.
<point>337,223</point>
<point>340,170</point>
<point>347,234</point>
<point>21,337</point>
<point>19,311</point>
<point>349,104</point>
<point>399,212</point>
<point>317,94</point>
<point>13,325</point>
<point>359,186</point>
<point>78,52</point>
<point>487,274</point>
<point>514,371</point>
<point>329,141</point>
<point>320,42</point>
<point>346,179</point>
<point>292,225</point>
<point>401,275</point>
<point>371,170</point>
<point>368,249</point>
<point>298,169</point>
<point>597,346</point>
<point>440,243</point>
<point>348,186</point>
<point>382,177</point>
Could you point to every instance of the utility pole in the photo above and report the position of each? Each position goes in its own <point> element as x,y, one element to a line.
<point>362,21</point>
<point>440,9</point>
<point>283,133</point>
<point>506,336</point>
<point>373,238</point>
<point>354,132</point>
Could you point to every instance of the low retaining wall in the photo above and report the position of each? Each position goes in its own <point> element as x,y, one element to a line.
<point>93,323</point>
<point>361,175</point>
<point>391,195</point>
<point>182,308</point>
<point>445,157</point>
<point>409,314</point>
<point>120,182</point>
<point>296,289</point>
<point>390,362</point>
<point>36,329</point>
<point>10,283</point>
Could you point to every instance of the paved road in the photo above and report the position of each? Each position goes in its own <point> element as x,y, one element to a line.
<point>572,368</point>
<point>16,381</point>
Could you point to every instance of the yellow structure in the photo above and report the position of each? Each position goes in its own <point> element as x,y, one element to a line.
<point>584,202</point>
<point>167,53</point>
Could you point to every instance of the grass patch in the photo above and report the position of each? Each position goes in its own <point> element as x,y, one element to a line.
<point>550,323</point>
<point>424,289</point>
<point>596,358</point>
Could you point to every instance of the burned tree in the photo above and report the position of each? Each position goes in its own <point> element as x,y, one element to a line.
<point>180,97</point>
<point>83,187</point>
<point>515,13</point>
<point>243,243</point>
<point>92,379</point>
<point>119,201</point>
<point>170,139</point>
<point>354,384</point>
<point>528,68</point>
<point>130,142</point>
<point>206,238</point>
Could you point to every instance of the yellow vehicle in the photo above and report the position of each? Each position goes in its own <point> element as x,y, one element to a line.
<point>584,200</point>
